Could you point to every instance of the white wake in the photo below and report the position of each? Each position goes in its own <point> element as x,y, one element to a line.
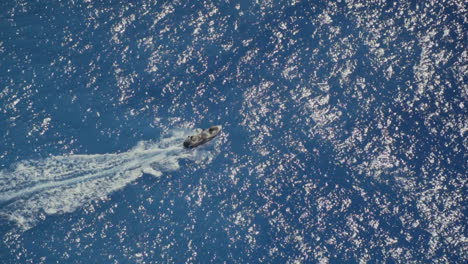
<point>62,184</point>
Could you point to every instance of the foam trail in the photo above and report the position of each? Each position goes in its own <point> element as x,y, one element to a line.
<point>63,183</point>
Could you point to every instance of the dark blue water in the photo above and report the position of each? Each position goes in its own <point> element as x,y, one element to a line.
<point>344,132</point>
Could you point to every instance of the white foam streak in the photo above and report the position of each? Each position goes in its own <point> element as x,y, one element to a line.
<point>64,183</point>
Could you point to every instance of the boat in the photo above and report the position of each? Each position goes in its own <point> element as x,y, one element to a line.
<point>202,137</point>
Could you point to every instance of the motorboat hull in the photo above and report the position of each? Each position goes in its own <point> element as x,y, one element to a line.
<point>203,137</point>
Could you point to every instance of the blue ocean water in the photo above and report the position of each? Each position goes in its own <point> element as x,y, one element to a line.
<point>344,131</point>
